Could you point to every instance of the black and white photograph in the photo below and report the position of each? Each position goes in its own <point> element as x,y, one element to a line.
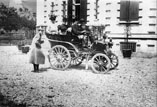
<point>78,53</point>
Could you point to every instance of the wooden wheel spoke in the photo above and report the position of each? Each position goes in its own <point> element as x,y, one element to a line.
<point>55,51</point>
<point>112,65</point>
<point>103,68</point>
<point>62,51</point>
<point>65,56</point>
<point>99,58</point>
<point>96,59</point>
<point>96,62</point>
<point>62,65</point>
<point>114,62</point>
<point>113,59</point>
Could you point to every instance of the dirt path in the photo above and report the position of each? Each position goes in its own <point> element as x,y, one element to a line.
<point>132,84</point>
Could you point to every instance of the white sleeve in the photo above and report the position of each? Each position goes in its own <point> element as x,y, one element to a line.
<point>48,29</point>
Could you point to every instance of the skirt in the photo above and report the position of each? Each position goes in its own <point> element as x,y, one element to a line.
<point>36,56</point>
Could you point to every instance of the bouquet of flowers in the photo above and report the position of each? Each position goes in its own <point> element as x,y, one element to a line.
<point>53,17</point>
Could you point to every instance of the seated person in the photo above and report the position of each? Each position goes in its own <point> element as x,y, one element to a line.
<point>77,32</point>
<point>77,27</point>
<point>62,29</point>
<point>88,39</point>
<point>52,30</point>
<point>52,27</point>
<point>108,42</point>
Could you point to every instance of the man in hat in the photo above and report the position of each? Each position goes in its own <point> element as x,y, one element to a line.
<point>63,27</point>
<point>78,31</point>
<point>77,27</point>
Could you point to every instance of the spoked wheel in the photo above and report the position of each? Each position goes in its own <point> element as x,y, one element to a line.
<point>100,63</point>
<point>59,57</point>
<point>76,61</point>
<point>114,61</point>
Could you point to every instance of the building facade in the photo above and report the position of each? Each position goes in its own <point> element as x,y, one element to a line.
<point>104,12</point>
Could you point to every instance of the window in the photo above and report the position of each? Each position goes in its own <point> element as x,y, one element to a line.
<point>108,3</point>
<point>151,32</point>
<point>108,18</point>
<point>152,16</point>
<point>152,24</point>
<point>151,45</point>
<point>34,14</point>
<point>153,8</point>
<point>107,24</point>
<point>108,10</point>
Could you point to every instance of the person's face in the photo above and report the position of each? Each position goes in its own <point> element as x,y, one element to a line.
<point>79,24</point>
<point>83,27</point>
<point>40,31</point>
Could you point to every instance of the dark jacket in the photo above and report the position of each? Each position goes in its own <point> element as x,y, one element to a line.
<point>76,29</point>
<point>63,27</point>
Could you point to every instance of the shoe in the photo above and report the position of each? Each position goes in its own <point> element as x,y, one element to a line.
<point>35,71</point>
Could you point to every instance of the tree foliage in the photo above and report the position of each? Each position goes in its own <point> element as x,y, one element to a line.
<point>25,23</point>
<point>10,20</point>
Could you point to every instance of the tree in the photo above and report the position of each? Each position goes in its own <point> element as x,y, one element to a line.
<point>9,19</point>
<point>52,17</point>
<point>27,23</point>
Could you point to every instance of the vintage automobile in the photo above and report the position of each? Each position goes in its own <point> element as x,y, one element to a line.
<point>66,52</point>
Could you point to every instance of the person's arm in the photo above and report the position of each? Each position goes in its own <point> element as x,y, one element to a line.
<point>37,41</point>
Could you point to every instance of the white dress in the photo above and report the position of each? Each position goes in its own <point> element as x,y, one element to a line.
<point>36,55</point>
<point>52,29</point>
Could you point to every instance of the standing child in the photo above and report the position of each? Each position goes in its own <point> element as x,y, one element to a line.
<point>36,55</point>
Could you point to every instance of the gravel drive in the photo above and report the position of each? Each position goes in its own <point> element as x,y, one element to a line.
<point>132,84</point>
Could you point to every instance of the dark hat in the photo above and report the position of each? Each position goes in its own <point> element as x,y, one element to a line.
<point>75,19</point>
<point>82,20</point>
